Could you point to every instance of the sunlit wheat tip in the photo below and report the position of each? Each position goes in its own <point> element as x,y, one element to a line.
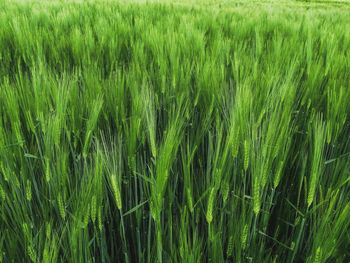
<point>244,236</point>
<point>209,215</point>
<point>2,193</point>
<point>29,191</point>
<point>93,208</point>
<point>116,191</point>
<point>61,207</point>
<point>190,200</point>
<point>246,154</point>
<point>99,218</point>
<point>318,255</point>
<point>31,253</point>
<point>86,216</point>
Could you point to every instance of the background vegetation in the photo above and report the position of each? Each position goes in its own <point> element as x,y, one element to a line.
<point>174,132</point>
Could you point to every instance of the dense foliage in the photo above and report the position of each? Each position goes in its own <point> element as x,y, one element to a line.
<point>174,132</point>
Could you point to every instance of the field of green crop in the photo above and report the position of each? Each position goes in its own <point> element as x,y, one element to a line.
<point>174,131</point>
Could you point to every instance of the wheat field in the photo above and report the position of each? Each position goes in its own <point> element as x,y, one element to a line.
<point>174,131</point>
